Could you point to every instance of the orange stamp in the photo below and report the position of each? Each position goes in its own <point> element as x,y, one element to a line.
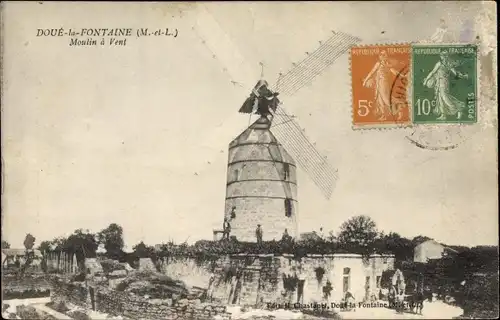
<point>380,82</point>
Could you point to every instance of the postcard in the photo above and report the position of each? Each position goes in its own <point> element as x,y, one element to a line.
<point>237,160</point>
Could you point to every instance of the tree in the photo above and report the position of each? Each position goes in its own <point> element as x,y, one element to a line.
<point>400,246</point>
<point>83,242</point>
<point>112,238</point>
<point>45,246</point>
<point>360,231</point>
<point>419,239</point>
<point>29,241</point>
<point>331,237</point>
<point>5,245</point>
<point>143,251</point>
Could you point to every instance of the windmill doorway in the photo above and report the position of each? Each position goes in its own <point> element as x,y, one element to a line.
<point>300,291</point>
<point>346,281</point>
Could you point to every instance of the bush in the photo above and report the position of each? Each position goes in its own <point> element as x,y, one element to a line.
<point>481,296</point>
<point>109,266</point>
<point>80,277</point>
<point>205,250</point>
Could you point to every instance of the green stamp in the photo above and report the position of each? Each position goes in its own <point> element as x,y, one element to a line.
<point>444,83</point>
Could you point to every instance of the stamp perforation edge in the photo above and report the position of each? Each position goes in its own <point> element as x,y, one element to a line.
<point>378,126</point>
<point>475,126</point>
<point>389,126</point>
<point>479,84</point>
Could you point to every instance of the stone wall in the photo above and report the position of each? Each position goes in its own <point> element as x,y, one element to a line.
<point>65,291</point>
<point>192,272</point>
<point>247,280</point>
<point>350,272</point>
<point>28,282</point>
<point>133,306</point>
<point>30,312</point>
<point>29,286</point>
<point>258,279</point>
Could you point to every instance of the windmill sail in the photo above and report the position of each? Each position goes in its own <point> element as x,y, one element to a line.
<point>286,128</point>
<point>304,152</point>
<point>315,63</point>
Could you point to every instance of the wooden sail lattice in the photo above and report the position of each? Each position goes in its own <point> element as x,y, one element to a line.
<point>285,127</point>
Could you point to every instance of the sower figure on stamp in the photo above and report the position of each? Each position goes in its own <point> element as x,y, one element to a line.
<point>382,74</point>
<point>258,234</point>
<point>439,80</point>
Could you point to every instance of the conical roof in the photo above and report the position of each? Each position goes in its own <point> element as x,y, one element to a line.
<point>258,143</point>
<point>258,132</point>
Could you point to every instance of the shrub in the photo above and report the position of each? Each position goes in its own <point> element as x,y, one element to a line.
<point>319,273</point>
<point>206,250</point>
<point>109,266</point>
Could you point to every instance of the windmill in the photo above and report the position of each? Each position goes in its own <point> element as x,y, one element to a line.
<point>262,159</point>
<point>284,126</point>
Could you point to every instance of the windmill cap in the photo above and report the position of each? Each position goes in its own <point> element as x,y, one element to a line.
<point>263,120</point>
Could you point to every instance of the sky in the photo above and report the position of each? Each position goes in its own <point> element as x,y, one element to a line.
<point>138,135</point>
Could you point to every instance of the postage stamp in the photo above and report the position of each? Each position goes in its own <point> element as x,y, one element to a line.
<point>444,83</point>
<point>380,85</point>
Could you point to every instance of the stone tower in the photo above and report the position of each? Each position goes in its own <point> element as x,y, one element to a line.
<point>261,185</point>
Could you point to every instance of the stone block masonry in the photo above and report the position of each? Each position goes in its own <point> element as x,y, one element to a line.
<point>255,280</point>
<point>132,306</point>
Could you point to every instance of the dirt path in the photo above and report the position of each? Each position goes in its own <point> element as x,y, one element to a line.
<point>432,310</point>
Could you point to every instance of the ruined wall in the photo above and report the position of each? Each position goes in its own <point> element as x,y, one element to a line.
<point>378,264</point>
<point>29,286</point>
<point>190,271</point>
<point>247,280</point>
<point>28,282</point>
<point>133,306</point>
<point>65,291</point>
<point>61,262</point>
<point>30,312</point>
<point>258,279</point>
<point>317,270</point>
